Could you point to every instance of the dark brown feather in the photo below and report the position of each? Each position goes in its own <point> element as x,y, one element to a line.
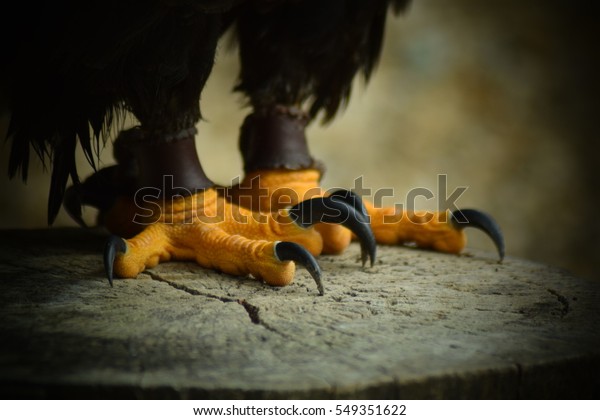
<point>308,52</point>
<point>73,68</point>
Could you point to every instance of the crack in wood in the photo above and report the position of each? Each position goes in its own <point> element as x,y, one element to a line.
<point>254,314</point>
<point>186,289</point>
<point>252,310</point>
<point>563,301</point>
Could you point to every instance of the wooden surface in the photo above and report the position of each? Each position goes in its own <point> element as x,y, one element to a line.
<point>417,325</point>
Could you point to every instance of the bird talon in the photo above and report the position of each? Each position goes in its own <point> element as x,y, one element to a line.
<point>474,218</point>
<point>291,251</point>
<point>113,246</point>
<point>333,210</point>
<point>355,202</point>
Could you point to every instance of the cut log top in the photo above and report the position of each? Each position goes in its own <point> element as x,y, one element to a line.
<point>417,325</point>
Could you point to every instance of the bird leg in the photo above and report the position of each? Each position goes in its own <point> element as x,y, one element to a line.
<point>169,210</point>
<point>280,172</point>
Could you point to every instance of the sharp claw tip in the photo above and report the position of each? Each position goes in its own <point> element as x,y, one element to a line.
<point>369,254</point>
<point>290,251</point>
<point>333,209</point>
<point>113,246</point>
<point>482,221</point>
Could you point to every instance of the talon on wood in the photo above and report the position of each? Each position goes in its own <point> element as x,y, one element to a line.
<point>290,251</point>
<point>333,210</point>
<point>480,220</point>
<point>114,245</point>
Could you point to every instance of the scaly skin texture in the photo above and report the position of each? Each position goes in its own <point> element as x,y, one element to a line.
<point>210,230</point>
<point>430,230</point>
<point>235,232</point>
<point>281,187</point>
<point>272,190</point>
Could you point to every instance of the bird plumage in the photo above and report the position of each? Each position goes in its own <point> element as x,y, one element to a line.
<point>73,68</point>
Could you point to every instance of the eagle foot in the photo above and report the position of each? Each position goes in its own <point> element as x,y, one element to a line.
<point>209,229</point>
<point>269,190</point>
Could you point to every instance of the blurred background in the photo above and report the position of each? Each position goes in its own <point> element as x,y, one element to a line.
<point>499,95</point>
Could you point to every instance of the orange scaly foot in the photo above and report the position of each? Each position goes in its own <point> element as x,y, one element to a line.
<point>159,197</point>
<point>440,231</point>
<point>215,233</point>
<point>281,171</point>
<point>269,190</point>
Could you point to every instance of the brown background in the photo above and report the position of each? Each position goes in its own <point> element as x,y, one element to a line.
<point>501,96</point>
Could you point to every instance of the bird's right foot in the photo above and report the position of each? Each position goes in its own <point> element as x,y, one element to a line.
<point>210,230</point>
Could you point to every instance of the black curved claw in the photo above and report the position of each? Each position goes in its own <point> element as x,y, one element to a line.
<point>334,210</point>
<point>72,204</point>
<point>353,200</point>
<point>291,251</point>
<point>113,245</point>
<point>480,220</point>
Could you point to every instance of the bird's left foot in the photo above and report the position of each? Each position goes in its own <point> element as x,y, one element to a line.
<point>183,216</point>
<point>208,228</point>
<point>280,172</point>
<point>273,189</point>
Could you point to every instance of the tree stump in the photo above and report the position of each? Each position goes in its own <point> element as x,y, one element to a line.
<point>417,325</point>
